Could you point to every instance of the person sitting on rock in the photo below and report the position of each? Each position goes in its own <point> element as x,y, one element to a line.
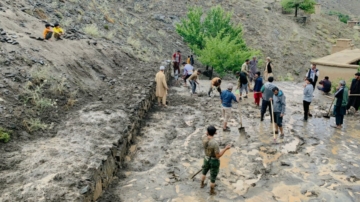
<point>326,85</point>
<point>47,32</point>
<point>58,31</point>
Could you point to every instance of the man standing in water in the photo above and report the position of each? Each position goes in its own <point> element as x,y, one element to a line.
<point>279,110</point>
<point>307,98</point>
<point>354,101</point>
<point>211,160</point>
<point>227,97</point>
<point>342,96</point>
<point>161,87</point>
<point>313,74</point>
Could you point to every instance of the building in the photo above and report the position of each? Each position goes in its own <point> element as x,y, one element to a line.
<point>342,64</point>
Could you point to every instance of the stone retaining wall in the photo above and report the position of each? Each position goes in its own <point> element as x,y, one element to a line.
<point>103,175</point>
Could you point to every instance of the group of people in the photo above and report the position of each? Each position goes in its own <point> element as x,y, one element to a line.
<point>271,96</point>
<point>57,32</point>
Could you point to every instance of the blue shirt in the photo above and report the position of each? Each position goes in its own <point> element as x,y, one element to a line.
<point>226,98</point>
<point>258,84</point>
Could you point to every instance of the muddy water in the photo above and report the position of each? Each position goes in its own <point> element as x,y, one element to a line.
<point>314,162</point>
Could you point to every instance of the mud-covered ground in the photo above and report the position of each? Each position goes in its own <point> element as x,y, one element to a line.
<point>314,162</point>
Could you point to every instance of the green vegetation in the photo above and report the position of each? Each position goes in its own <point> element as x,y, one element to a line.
<point>4,135</point>
<point>34,125</point>
<point>342,17</point>
<point>308,6</point>
<point>335,84</point>
<point>215,39</point>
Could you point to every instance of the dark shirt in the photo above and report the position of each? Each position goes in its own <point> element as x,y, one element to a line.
<point>326,85</point>
<point>192,61</point>
<point>243,78</point>
<point>226,98</point>
<point>258,84</point>
<point>269,68</point>
<point>355,87</point>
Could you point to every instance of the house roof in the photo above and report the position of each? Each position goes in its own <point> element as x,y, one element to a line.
<point>340,59</point>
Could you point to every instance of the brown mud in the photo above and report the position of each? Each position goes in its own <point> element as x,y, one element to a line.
<point>314,162</point>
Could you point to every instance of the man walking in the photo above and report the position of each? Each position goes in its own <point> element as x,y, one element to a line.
<point>279,110</point>
<point>326,85</point>
<point>307,98</point>
<point>161,87</point>
<point>226,100</point>
<point>354,101</point>
<point>176,58</point>
<point>253,68</point>
<point>267,94</point>
<point>313,74</point>
<point>245,70</point>
<point>193,81</point>
<point>188,71</point>
<point>341,95</point>
<point>242,84</point>
<point>211,159</point>
<point>215,83</point>
<point>257,88</point>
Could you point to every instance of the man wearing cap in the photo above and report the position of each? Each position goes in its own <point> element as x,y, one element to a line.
<point>342,96</point>
<point>226,101</point>
<point>161,87</point>
<point>176,58</point>
<point>215,83</point>
<point>354,101</point>
<point>212,156</point>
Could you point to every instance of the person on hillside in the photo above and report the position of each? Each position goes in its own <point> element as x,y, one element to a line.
<point>314,74</point>
<point>192,60</point>
<point>58,31</point>
<point>193,81</point>
<point>211,159</point>
<point>161,87</point>
<point>226,101</point>
<point>307,98</point>
<point>354,101</point>
<point>342,96</point>
<point>257,88</point>
<point>267,94</point>
<point>188,60</point>
<point>326,85</point>
<point>47,32</point>
<point>253,68</point>
<point>242,84</point>
<point>279,101</point>
<point>215,83</point>
<point>268,69</point>
<point>176,58</point>
<point>188,71</point>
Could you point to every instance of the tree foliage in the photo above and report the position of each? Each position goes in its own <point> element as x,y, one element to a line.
<point>214,38</point>
<point>224,53</point>
<point>342,17</point>
<point>308,6</point>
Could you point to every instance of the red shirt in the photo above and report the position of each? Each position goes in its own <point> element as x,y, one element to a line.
<point>177,57</point>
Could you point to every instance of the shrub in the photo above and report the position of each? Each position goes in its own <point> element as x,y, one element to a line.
<point>34,125</point>
<point>342,17</point>
<point>92,30</point>
<point>4,135</point>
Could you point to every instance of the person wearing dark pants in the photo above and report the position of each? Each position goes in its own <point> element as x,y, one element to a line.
<point>342,96</point>
<point>215,83</point>
<point>354,101</point>
<point>193,81</point>
<point>308,96</point>
<point>313,74</point>
<point>266,90</point>
<point>279,101</point>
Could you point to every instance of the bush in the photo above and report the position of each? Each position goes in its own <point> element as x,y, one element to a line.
<point>342,17</point>
<point>34,125</point>
<point>4,135</point>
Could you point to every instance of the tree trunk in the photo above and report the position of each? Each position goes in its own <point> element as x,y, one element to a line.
<point>296,9</point>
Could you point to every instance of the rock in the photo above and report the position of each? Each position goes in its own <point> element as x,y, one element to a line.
<point>85,189</point>
<point>2,33</point>
<point>107,111</point>
<point>40,39</point>
<point>41,62</point>
<point>28,33</point>
<point>303,191</point>
<point>15,43</point>
<point>283,163</point>
<point>8,75</point>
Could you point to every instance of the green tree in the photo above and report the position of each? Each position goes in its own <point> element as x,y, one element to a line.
<point>306,5</point>
<point>224,53</point>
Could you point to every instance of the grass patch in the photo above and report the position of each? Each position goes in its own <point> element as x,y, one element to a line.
<point>34,125</point>
<point>92,30</point>
<point>4,135</point>
<point>36,98</point>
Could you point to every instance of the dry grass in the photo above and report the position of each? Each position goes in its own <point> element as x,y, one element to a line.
<point>134,42</point>
<point>38,12</point>
<point>92,30</point>
<point>58,86</point>
<point>109,19</point>
<point>34,125</point>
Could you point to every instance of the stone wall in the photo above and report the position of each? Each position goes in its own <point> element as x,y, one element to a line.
<point>342,44</point>
<point>104,174</point>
